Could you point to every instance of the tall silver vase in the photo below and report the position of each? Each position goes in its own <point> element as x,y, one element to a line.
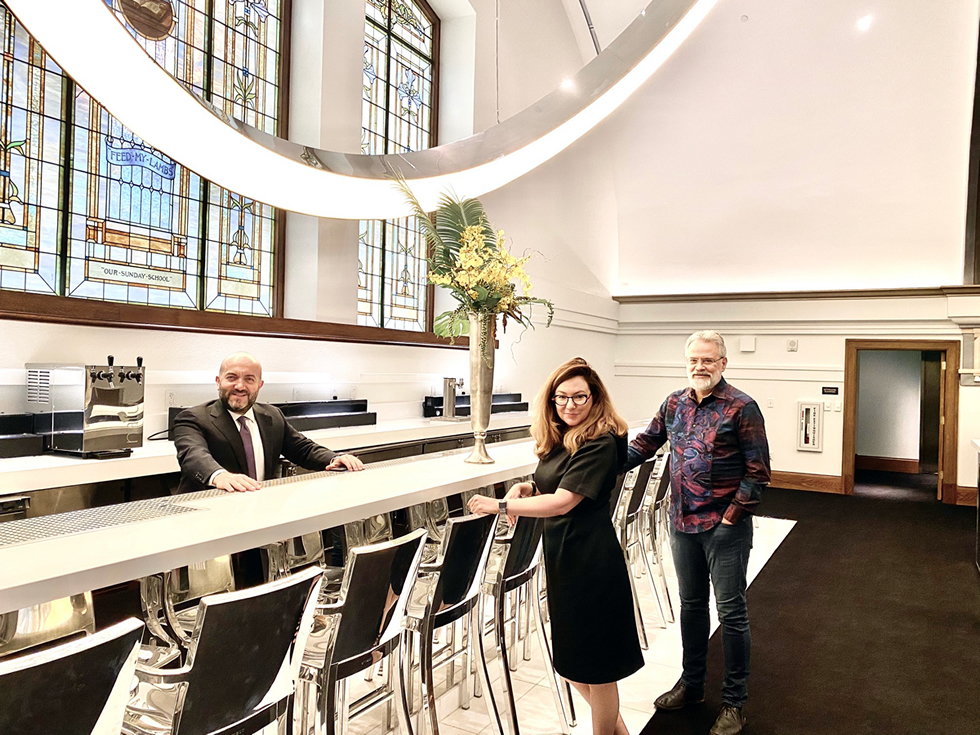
<point>481,387</point>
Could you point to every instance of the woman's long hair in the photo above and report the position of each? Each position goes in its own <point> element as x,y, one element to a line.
<point>549,430</point>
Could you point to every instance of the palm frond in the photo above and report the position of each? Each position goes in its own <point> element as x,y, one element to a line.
<point>455,215</point>
<point>428,228</point>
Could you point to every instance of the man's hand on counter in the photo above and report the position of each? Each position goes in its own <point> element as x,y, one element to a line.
<point>348,461</point>
<point>232,483</point>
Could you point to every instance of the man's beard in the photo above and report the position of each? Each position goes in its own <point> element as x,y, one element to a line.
<point>250,401</point>
<point>703,384</point>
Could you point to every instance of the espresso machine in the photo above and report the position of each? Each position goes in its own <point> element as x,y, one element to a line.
<point>89,410</point>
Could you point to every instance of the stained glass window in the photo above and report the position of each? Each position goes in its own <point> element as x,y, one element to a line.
<point>135,225</point>
<point>245,78</point>
<point>31,155</point>
<point>239,264</point>
<point>138,227</point>
<point>397,117</point>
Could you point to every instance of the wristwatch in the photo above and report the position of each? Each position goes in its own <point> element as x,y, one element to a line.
<point>502,507</point>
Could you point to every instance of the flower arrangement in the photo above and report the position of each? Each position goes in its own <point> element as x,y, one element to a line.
<point>470,259</point>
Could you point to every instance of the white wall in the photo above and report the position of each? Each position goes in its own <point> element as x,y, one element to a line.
<point>889,396</point>
<point>792,137</point>
<point>650,349</point>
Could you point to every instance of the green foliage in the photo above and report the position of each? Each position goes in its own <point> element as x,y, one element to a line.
<point>444,237</point>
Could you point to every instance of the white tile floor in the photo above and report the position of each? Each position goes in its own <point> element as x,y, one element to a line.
<point>535,702</point>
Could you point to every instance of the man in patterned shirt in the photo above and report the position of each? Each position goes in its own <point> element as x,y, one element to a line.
<point>719,461</point>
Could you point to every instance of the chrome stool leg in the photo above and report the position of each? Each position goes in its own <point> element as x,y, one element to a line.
<point>637,613</point>
<point>554,680</point>
<point>404,692</point>
<point>509,699</point>
<point>484,678</point>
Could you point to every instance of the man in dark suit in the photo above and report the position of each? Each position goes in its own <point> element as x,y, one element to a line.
<point>234,443</point>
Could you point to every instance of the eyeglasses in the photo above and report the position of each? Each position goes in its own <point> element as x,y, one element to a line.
<point>706,361</point>
<point>580,400</point>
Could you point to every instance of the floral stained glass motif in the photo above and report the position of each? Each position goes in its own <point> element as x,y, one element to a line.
<point>31,154</point>
<point>240,260</point>
<point>135,216</point>
<point>245,79</point>
<point>396,117</point>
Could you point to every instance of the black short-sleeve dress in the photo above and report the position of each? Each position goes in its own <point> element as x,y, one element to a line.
<point>592,624</point>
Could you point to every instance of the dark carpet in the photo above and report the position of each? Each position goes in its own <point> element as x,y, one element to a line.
<point>865,620</point>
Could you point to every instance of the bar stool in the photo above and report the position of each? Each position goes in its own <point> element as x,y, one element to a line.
<point>73,688</point>
<point>355,632</point>
<point>448,590</point>
<point>629,526</point>
<point>241,663</point>
<point>184,587</point>
<point>68,617</point>
<point>655,517</point>
<point>514,570</point>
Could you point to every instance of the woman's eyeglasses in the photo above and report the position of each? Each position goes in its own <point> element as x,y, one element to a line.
<point>580,400</point>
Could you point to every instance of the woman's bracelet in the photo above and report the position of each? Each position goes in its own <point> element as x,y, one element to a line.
<point>534,487</point>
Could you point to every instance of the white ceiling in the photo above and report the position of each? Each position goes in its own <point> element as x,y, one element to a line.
<point>783,147</point>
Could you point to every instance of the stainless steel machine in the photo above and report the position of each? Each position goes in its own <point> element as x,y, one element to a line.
<point>92,410</point>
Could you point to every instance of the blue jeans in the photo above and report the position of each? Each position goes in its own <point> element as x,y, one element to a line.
<point>721,555</point>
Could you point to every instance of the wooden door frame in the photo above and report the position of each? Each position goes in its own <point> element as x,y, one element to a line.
<point>950,409</point>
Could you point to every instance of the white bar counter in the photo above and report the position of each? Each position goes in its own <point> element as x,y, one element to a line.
<point>50,568</point>
<point>27,474</point>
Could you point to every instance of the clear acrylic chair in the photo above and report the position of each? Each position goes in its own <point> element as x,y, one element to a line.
<point>241,663</point>
<point>75,688</point>
<point>449,591</point>
<point>356,631</point>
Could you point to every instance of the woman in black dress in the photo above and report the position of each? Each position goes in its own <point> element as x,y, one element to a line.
<point>580,440</point>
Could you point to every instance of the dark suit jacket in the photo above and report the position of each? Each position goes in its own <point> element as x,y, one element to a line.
<point>207,439</point>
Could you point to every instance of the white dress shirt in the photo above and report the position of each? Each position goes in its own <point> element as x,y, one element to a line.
<point>257,449</point>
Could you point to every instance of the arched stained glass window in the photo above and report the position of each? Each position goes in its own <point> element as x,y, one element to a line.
<point>31,162</point>
<point>140,228</point>
<point>400,50</point>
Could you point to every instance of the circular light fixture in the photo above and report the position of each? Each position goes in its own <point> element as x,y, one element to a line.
<point>290,176</point>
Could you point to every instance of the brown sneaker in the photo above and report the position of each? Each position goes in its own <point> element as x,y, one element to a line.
<point>678,697</point>
<point>730,721</point>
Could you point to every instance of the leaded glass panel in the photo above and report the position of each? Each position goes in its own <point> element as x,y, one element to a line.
<point>370,262</point>
<point>135,216</point>
<point>31,154</point>
<point>396,117</point>
<point>410,100</point>
<point>240,257</point>
<point>246,75</point>
<point>405,271</point>
<point>173,33</point>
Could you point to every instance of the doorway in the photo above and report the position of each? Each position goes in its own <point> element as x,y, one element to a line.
<point>917,380</point>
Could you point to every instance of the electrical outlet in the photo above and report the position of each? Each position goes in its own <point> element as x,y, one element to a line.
<point>771,402</point>
<point>353,392</point>
<point>838,405</point>
<point>792,345</point>
<point>296,393</point>
<point>171,398</point>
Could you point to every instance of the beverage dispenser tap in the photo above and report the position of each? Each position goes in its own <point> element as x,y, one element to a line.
<point>136,375</point>
<point>449,386</point>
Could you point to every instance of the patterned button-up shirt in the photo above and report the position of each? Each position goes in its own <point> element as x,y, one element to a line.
<point>719,455</point>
